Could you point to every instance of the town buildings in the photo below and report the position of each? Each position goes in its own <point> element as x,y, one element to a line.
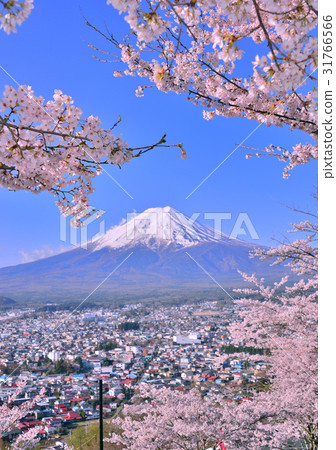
<point>174,347</point>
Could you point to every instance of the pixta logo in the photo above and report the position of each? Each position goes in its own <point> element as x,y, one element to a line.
<point>168,224</point>
<point>242,222</point>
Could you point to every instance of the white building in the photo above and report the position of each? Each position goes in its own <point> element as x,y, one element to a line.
<point>114,391</point>
<point>193,338</point>
<point>54,355</point>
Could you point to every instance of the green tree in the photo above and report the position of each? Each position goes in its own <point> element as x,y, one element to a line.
<point>79,361</point>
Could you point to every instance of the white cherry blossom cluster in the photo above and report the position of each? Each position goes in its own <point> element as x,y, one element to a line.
<point>164,418</point>
<point>47,146</point>
<point>148,23</point>
<point>13,13</point>
<point>300,154</point>
<point>193,47</point>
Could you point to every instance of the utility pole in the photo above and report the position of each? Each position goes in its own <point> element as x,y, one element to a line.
<point>101,445</point>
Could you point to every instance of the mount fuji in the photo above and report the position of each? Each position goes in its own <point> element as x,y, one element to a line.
<point>158,249</point>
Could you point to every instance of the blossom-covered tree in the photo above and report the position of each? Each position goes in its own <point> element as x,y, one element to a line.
<point>283,318</point>
<point>167,419</point>
<point>195,47</point>
<point>171,420</point>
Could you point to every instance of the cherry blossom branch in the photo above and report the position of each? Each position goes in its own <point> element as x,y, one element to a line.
<point>46,146</point>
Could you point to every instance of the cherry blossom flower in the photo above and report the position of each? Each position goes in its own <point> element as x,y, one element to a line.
<point>13,13</point>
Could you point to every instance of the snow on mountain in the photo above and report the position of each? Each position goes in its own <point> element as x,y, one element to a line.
<point>159,228</point>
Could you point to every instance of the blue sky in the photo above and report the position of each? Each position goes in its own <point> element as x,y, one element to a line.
<point>49,52</point>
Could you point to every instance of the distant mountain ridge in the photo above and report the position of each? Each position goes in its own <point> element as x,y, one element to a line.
<point>159,247</point>
<point>6,302</point>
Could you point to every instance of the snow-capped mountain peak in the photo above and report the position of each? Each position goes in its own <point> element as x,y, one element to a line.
<point>158,228</point>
